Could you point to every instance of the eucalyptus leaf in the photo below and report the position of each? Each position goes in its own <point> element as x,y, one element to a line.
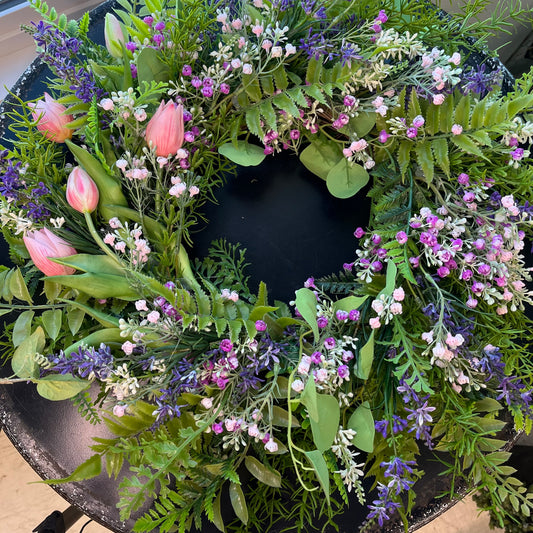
<point>75,319</point>
<point>52,319</point>
<point>22,327</point>
<point>23,361</point>
<point>238,502</point>
<point>18,288</point>
<point>363,123</point>
<point>365,359</point>
<point>60,386</point>
<point>349,303</point>
<point>345,179</point>
<point>309,399</point>
<point>280,417</point>
<point>265,475</point>
<point>321,470</point>
<point>325,428</point>
<point>362,422</point>
<point>150,67</point>
<point>321,156</point>
<point>243,153</point>
<point>217,514</point>
<point>306,305</point>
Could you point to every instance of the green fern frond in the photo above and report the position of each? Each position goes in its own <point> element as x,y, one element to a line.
<point>84,403</point>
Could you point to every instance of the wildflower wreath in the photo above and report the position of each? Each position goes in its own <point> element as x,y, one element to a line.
<point>211,388</point>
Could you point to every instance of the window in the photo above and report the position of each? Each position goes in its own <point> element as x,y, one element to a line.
<point>7,4</point>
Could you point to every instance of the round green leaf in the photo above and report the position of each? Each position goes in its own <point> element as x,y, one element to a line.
<point>325,428</point>
<point>60,387</point>
<point>320,157</point>
<point>23,362</point>
<point>362,422</point>
<point>346,179</point>
<point>243,153</point>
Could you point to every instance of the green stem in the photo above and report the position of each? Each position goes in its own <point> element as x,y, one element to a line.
<point>99,240</point>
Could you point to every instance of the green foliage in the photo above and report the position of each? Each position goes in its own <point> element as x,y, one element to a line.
<point>225,267</point>
<point>86,408</point>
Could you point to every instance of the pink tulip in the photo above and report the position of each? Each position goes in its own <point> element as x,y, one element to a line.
<point>43,245</point>
<point>51,119</point>
<point>113,35</point>
<point>82,192</point>
<point>164,132</point>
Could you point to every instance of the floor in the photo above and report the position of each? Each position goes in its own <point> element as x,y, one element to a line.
<point>19,486</point>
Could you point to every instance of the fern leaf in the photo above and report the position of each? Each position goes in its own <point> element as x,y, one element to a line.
<point>477,115</point>
<point>414,106</point>
<point>425,160</point>
<point>267,111</point>
<point>314,70</point>
<point>482,137</point>
<point>253,121</point>
<point>466,144</point>
<point>446,115</point>
<point>298,96</point>
<point>267,84</point>
<point>461,114</point>
<point>432,119</point>
<point>439,148</point>
<point>314,92</point>
<point>283,102</point>
<point>221,324</point>
<point>404,151</point>
<point>252,87</point>
<point>280,78</point>
<point>518,104</point>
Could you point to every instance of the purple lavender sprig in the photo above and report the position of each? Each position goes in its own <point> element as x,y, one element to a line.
<point>14,188</point>
<point>87,362</point>
<point>397,472</point>
<point>59,51</point>
<point>509,388</point>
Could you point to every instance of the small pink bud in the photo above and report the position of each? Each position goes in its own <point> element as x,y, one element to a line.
<point>51,119</point>
<point>44,245</point>
<point>82,192</point>
<point>165,132</point>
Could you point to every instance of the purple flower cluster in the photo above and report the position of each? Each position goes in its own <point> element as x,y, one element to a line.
<point>87,362</point>
<point>183,379</point>
<point>59,51</point>
<point>479,80</point>
<point>509,388</point>
<point>15,189</point>
<point>480,248</point>
<point>419,417</point>
<point>397,473</point>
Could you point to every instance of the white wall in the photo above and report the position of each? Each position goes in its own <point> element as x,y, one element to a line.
<point>17,49</point>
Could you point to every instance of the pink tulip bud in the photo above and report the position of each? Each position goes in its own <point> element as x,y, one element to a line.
<point>44,245</point>
<point>164,132</point>
<point>113,35</point>
<point>82,192</point>
<point>51,119</point>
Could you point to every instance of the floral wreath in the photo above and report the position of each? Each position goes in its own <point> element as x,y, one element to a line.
<point>418,341</point>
